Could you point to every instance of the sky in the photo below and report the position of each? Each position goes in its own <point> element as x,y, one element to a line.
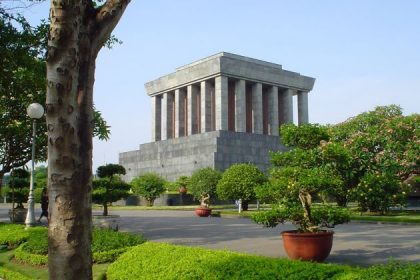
<point>363,54</point>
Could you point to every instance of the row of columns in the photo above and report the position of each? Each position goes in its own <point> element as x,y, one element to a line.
<point>217,104</point>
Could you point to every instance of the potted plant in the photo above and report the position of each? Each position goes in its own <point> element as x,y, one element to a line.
<point>18,193</point>
<point>292,190</point>
<point>202,186</point>
<point>297,177</point>
<point>182,184</point>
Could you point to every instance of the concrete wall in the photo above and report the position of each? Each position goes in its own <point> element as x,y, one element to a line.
<point>182,156</point>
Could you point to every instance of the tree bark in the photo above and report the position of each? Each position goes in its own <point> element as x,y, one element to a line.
<point>105,212</point>
<point>77,33</point>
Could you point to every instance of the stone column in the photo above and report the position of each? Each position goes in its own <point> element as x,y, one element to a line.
<point>240,106</point>
<point>180,97</point>
<point>273,111</point>
<point>286,107</point>
<point>221,102</point>
<point>167,114</point>
<point>192,122</point>
<point>257,109</point>
<point>205,91</point>
<point>303,116</point>
<point>156,118</point>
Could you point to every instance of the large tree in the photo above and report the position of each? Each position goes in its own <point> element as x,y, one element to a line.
<point>23,81</point>
<point>78,30</point>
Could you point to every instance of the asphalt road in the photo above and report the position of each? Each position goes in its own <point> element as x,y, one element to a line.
<point>354,243</point>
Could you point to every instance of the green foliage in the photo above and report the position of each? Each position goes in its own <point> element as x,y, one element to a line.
<point>110,187</point>
<point>106,240</point>
<point>393,270</point>
<point>145,262</point>
<point>107,245</point>
<point>305,136</point>
<point>22,82</point>
<point>239,182</point>
<point>9,274</point>
<point>12,235</point>
<point>19,187</point>
<point>182,181</point>
<point>149,186</point>
<point>203,184</point>
<point>110,170</point>
<point>377,192</point>
<point>383,142</point>
<point>23,255</point>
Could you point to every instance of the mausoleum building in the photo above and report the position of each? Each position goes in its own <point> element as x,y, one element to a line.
<point>215,112</point>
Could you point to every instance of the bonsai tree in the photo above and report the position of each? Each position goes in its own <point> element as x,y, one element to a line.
<point>149,186</point>
<point>239,182</point>
<point>203,184</point>
<point>300,174</point>
<point>291,191</point>
<point>182,183</point>
<point>19,187</point>
<point>109,187</point>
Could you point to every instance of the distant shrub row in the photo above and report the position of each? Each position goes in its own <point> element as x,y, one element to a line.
<point>145,262</point>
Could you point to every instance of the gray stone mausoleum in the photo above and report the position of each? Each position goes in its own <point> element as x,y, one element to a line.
<point>217,111</point>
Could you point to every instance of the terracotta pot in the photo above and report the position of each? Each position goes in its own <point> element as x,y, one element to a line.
<point>203,212</point>
<point>308,246</point>
<point>182,190</point>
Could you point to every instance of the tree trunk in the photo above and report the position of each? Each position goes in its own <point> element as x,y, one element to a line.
<point>1,180</point>
<point>77,33</point>
<point>105,213</point>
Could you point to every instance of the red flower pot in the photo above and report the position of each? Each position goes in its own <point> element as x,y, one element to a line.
<point>203,212</point>
<point>308,246</point>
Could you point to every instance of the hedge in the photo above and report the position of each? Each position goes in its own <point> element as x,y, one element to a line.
<point>393,270</point>
<point>12,275</point>
<point>165,261</point>
<point>107,245</point>
<point>12,235</point>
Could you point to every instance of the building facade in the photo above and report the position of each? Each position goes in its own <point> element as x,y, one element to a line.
<point>217,111</point>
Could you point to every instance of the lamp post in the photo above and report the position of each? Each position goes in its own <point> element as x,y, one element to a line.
<point>35,111</point>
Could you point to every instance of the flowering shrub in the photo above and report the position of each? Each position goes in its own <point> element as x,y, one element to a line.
<point>377,192</point>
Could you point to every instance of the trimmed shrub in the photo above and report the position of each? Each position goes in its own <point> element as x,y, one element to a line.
<point>107,245</point>
<point>12,235</point>
<point>145,262</point>
<point>149,186</point>
<point>22,254</point>
<point>9,274</point>
<point>393,270</point>
<point>202,184</point>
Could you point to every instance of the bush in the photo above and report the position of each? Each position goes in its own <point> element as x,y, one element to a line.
<point>202,184</point>
<point>9,274</point>
<point>107,245</point>
<point>239,182</point>
<point>12,235</point>
<point>149,186</point>
<point>393,270</point>
<point>379,192</point>
<point>146,262</point>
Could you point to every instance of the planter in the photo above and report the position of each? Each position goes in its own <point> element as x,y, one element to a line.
<point>182,190</point>
<point>18,215</point>
<point>105,222</point>
<point>203,212</point>
<point>308,246</point>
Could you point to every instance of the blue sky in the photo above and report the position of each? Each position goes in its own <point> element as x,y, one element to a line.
<point>362,54</point>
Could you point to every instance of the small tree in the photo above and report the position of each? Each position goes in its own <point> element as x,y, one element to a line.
<point>19,187</point>
<point>239,182</point>
<point>109,187</point>
<point>149,186</point>
<point>182,184</point>
<point>203,184</point>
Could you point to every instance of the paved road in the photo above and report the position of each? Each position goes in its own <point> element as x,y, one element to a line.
<point>354,243</point>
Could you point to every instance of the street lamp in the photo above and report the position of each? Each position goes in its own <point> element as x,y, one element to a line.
<point>35,111</point>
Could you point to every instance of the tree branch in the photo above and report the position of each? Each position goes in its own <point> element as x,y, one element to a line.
<point>107,17</point>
